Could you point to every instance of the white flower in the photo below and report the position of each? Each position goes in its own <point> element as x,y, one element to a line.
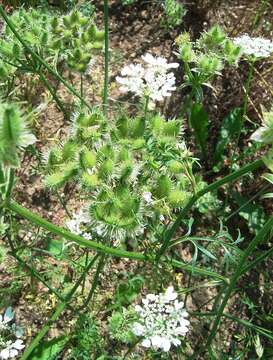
<point>147,196</point>
<point>257,47</point>
<point>6,318</point>
<point>77,222</point>
<point>158,62</point>
<point>152,79</point>
<point>132,80</point>
<point>11,349</point>
<point>162,320</point>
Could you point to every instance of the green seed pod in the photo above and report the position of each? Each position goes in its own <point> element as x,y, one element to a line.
<point>177,198</point>
<point>83,21</point>
<point>57,45</point>
<point>163,187</point>
<point>69,151</point>
<point>75,17</point>
<point>171,128</point>
<point>54,23</point>
<point>124,154</point>
<point>66,21</point>
<point>44,38</point>
<point>97,45</point>
<point>99,35</point>
<point>54,157</point>
<point>3,72</point>
<point>88,159</point>
<point>16,50</point>
<point>90,180</point>
<point>123,126</point>
<point>136,127</point>
<point>106,169</point>
<point>59,178</point>
<point>127,168</point>
<point>91,31</point>
<point>186,53</point>
<point>175,167</point>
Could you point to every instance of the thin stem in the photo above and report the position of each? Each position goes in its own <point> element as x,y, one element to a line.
<point>36,219</point>
<point>52,92</point>
<point>237,274</point>
<point>61,306</point>
<point>106,57</point>
<point>11,178</point>
<point>39,59</point>
<point>169,233</point>
<point>34,273</point>
<point>147,98</point>
<point>95,281</point>
<point>244,109</point>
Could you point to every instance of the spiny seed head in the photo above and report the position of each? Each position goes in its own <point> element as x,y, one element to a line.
<point>163,187</point>
<point>177,198</point>
<point>88,159</point>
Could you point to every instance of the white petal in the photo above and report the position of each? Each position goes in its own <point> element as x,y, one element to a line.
<point>146,343</point>
<point>18,344</point>
<point>13,353</point>
<point>4,354</point>
<point>157,341</point>
<point>166,344</point>
<point>9,315</point>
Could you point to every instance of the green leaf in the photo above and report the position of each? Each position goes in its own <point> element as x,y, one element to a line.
<point>199,122</point>
<point>55,247</point>
<point>230,127</point>
<point>48,350</point>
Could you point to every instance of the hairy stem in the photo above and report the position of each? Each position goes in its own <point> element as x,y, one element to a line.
<point>37,220</point>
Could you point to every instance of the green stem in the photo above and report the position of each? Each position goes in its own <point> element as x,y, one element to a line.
<point>95,281</point>
<point>37,220</point>
<point>147,98</point>
<point>61,306</point>
<point>169,233</point>
<point>53,93</point>
<point>34,273</point>
<point>244,109</point>
<point>39,59</point>
<point>106,57</point>
<point>11,178</point>
<point>238,273</point>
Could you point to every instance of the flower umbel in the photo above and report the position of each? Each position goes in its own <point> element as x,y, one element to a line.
<point>257,47</point>
<point>162,320</point>
<point>152,79</point>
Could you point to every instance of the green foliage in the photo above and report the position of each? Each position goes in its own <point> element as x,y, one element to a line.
<point>49,350</point>
<point>229,131</point>
<point>174,13</point>
<point>120,326</point>
<point>86,340</point>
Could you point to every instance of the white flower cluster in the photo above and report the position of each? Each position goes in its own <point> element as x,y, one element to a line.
<point>152,79</point>
<point>162,320</point>
<point>78,222</point>
<point>9,348</point>
<point>257,47</point>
